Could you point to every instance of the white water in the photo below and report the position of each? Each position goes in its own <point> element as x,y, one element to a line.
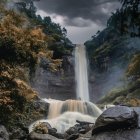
<point>65,121</point>
<point>64,114</point>
<point>58,107</point>
<point>81,73</point>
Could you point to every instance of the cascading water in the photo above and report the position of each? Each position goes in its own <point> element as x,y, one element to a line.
<point>63,114</point>
<point>81,73</point>
<point>59,107</point>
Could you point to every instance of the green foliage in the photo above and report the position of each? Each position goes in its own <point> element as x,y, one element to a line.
<point>129,95</point>
<point>134,67</point>
<point>106,45</point>
<point>24,39</point>
<point>14,93</point>
<point>20,45</point>
<point>56,34</point>
<point>127,19</point>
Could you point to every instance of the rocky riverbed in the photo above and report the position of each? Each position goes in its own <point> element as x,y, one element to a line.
<point>115,123</point>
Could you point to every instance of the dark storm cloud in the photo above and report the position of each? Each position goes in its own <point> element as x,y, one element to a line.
<point>96,11</point>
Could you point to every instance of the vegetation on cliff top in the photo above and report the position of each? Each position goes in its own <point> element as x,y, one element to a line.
<point>117,46</point>
<point>24,38</point>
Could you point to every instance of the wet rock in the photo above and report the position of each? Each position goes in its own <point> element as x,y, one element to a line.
<point>58,135</point>
<point>76,131</point>
<point>72,130</point>
<point>115,118</point>
<point>73,137</point>
<point>133,134</point>
<point>137,109</point>
<point>52,130</point>
<point>36,136</point>
<point>41,106</point>
<point>18,133</point>
<point>82,131</point>
<point>45,128</point>
<point>42,128</point>
<point>86,136</point>
<point>81,128</point>
<point>3,133</point>
<point>84,123</point>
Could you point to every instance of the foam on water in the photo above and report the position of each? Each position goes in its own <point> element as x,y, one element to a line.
<point>63,114</point>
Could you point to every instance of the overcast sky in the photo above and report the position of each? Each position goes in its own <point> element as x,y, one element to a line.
<point>82,18</point>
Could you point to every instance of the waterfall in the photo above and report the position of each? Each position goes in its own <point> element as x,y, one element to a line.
<point>58,107</point>
<point>63,114</point>
<point>81,73</point>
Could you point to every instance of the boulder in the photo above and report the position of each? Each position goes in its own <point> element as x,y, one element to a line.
<point>84,123</point>
<point>76,131</point>
<point>45,128</point>
<point>73,137</point>
<point>3,133</point>
<point>52,130</point>
<point>72,130</point>
<point>119,117</point>
<point>133,134</point>
<point>36,136</point>
<point>42,128</point>
<point>86,136</point>
<point>58,135</point>
<point>18,133</point>
<point>81,128</point>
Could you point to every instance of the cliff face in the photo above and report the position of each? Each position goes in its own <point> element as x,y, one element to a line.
<point>101,83</point>
<point>114,55</point>
<point>109,56</point>
<point>58,85</point>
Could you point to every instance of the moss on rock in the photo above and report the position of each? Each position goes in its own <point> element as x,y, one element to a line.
<point>128,96</point>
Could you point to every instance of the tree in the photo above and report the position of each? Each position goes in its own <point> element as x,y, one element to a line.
<point>21,44</point>
<point>130,8</point>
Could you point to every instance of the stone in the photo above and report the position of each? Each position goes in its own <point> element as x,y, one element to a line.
<point>18,133</point>
<point>45,128</point>
<point>36,136</point>
<point>137,109</point>
<point>86,136</point>
<point>119,117</point>
<point>81,128</point>
<point>82,131</point>
<point>60,84</point>
<point>42,128</point>
<point>73,137</point>
<point>41,105</point>
<point>3,133</point>
<point>72,130</point>
<point>58,135</point>
<point>133,134</point>
<point>52,130</point>
<point>83,123</point>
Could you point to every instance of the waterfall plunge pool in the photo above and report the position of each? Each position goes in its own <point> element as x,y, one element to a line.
<point>64,114</point>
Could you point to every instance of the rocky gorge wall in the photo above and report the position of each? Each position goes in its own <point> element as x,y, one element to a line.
<point>106,74</point>
<point>56,85</point>
<point>61,85</point>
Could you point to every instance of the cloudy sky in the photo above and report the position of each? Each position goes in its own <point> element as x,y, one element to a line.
<point>82,18</point>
